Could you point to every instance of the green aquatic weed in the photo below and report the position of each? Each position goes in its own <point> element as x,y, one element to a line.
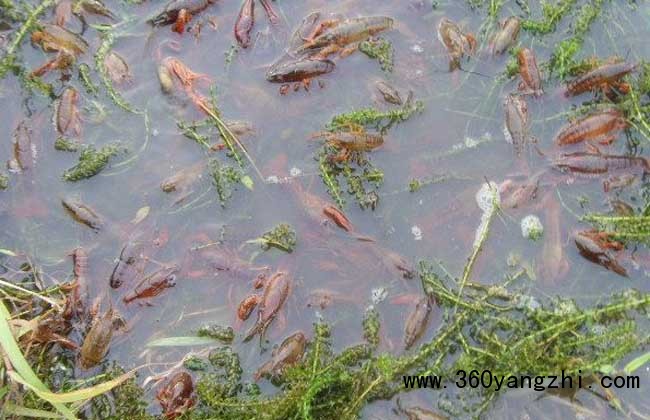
<point>91,162</point>
<point>624,228</point>
<point>4,181</point>
<point>562,62</point>
<point>552,15</point>
<point>379,49</point>
<point>66,145</point>
<point>371,326</point>
<point>224,179</point>
<point>282,237</point>
<point>218,332</point>
<point>374,118</point>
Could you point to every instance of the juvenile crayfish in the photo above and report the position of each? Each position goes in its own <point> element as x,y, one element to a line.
<point>348,142</point>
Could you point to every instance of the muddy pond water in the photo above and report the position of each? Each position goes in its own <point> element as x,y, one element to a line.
<point>453,145</point>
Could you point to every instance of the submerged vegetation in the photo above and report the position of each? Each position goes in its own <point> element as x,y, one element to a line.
<point>484,321</point>
<point>345,154</point>
<point>91,162</point>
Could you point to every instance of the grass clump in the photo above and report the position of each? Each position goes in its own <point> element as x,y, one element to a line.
<point>91,162</point>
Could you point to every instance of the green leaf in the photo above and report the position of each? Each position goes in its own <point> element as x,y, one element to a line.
<point>8,252</point>
<point>181,341</point>
<point>635,364</point>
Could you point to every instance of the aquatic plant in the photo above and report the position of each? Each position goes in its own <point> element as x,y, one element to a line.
<point>66,145</point>
<point>224,179</point>
<point>562,62</point>
<point>4,181</point>
<point>91,162</point>
<point>108,39</point>
<point>379,49</point>
<point>282,237</point>
<point>552,15</point>
<point>86,81</point>
<point>218,332</point>
<point>623,228</point>
<point>485,328</point>
<point>373,118</point>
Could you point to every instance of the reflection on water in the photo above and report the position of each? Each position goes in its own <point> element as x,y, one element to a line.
<point>457,141</point>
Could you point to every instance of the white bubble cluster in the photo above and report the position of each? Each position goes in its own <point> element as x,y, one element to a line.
<point>295,171</point>
<point>488,197</point>
<point>531,227</point>
<point>378,294</point>
<point>417,232</point>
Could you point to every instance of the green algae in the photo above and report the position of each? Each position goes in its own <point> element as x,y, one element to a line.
<point>225,179</point>
<point>562,62</point>
<point>361,176</point>
<point>4,181</point>
<point>63,144</point>
<point>218,332</point>
<point>552,14</point>
<point>91,162</point>
<point>623,228</point>
<point>282,237</point>
<point>379,49</point>
<point>375,119</point>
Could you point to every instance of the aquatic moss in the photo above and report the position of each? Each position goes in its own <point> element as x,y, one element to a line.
<point>379,49</point>
<point>224,178</point>
<point>552,14</point>
<point>375,119</point>
<point>86,81</point>
<point>563,57</point>
<point>8,61</point>
<point>4,181</point>
<point>371,326</point>
<point>492,328</point>
<point>91,162</point>
<point>623,228</point>
<point>218,332</point>
<point>125,401</point>
<point>107,41</point>
<point>282,237</point>
<point>195,364</point>
<point>66,145</point>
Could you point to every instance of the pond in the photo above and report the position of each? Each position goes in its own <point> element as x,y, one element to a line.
<point>326,167</point>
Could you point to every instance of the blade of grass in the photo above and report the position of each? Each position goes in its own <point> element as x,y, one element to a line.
<point>180,341</point>
<point>75,396</point>
<point>20,364</point>
<point>17,410</point>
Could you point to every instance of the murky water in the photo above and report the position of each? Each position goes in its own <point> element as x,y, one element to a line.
<point>437,222</point>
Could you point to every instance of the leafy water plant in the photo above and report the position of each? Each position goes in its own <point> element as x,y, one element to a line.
<point>66,145</point>
<point>379,49</point>
<point>4,181</point>
<point>562,62</point>
<point>282,237</point>
<point>623,228</point>
<point>224,178</point>
<point>552,15</point>
<point>372,118</point>
<point>91,162</point>
<point>218,332</point>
